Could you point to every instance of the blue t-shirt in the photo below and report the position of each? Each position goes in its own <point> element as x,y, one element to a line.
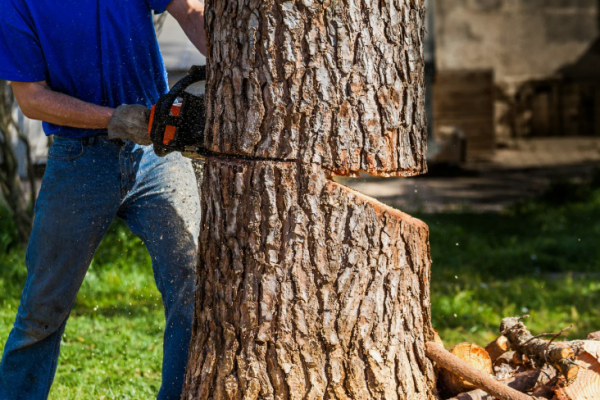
<point>103,52</point>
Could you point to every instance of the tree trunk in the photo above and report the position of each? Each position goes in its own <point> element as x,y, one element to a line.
<point>307,289</point>
<point>335,82</point>
<point>10,183</point>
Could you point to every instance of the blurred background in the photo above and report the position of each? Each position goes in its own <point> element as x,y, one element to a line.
<point>512,198</point>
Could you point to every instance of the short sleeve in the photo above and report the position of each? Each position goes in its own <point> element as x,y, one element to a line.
<point>21,57</point>
<point>159,6</point>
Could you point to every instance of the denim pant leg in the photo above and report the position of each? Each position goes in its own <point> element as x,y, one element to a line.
<point>80,196</point>
<point>163,209</point>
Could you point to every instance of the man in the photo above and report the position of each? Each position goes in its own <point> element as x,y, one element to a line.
<point>71,62</point>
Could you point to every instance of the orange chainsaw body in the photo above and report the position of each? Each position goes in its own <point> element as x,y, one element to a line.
<point>178,118</point>
<point>169,130</point>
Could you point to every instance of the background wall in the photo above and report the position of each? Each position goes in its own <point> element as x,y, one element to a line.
<point>544,58</point>
<point>519,39</point>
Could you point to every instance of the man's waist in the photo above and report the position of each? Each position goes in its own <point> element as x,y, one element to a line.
<point>90,140</point>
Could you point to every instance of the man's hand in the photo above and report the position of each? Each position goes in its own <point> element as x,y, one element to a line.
<point>130,122</point>
<point>190,15</point>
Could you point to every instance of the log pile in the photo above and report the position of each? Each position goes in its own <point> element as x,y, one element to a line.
<point>519,366</point>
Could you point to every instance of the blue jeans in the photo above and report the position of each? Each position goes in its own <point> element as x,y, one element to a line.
<point>87,183</point>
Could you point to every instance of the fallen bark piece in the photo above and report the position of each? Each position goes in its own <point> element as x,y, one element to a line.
<point>448,361</point>
<point>538,351</point>
<point>497,347</point>
<point>473,355</point>
<point>522,382</point>
<point>307,290</point>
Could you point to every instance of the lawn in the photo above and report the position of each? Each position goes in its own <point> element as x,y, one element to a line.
<point>540,257</point>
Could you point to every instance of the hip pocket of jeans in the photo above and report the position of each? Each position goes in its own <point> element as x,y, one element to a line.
<point>66,151</point>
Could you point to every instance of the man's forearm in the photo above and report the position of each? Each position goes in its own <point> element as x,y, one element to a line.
<point>190,15</point>
<point>38,101</point>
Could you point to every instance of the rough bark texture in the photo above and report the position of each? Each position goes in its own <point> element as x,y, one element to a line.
<point>10,182</point>
<point>307,290</point>
<point>339,83</point>
<point>539,352</point>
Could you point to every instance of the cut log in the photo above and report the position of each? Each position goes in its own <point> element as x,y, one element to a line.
<point>523,382</point>
<point>586,385</point>
<point>497,347</point>
<point>539,351</point>
<point>448,361</point>
<point>473,355</point>
<point>338,83</point>
<point>307,290</point>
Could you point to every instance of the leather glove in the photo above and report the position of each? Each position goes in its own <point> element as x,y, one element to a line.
<point>130,122</point>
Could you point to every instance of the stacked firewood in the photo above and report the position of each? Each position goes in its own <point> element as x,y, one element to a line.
<point>519,366</point>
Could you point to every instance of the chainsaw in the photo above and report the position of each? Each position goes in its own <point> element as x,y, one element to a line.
<point>177,120</point>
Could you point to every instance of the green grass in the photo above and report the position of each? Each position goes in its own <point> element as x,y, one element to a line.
<point>486,267</point>
<point>112,348</point>
<point>540,257</point>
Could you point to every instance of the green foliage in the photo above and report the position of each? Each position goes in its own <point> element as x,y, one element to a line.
<point>540,257</point>
<point>527,260</point>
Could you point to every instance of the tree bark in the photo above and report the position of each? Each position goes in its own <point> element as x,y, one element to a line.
<point>10,182</point>
<point>307,290</point>
<point>336,82</point>
<point>540,352</point>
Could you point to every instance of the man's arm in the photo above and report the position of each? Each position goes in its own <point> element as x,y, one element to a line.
<point>190,15</point>
<point>38,101</point>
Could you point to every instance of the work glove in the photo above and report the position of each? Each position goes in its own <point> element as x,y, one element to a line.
<point>130,122</point>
